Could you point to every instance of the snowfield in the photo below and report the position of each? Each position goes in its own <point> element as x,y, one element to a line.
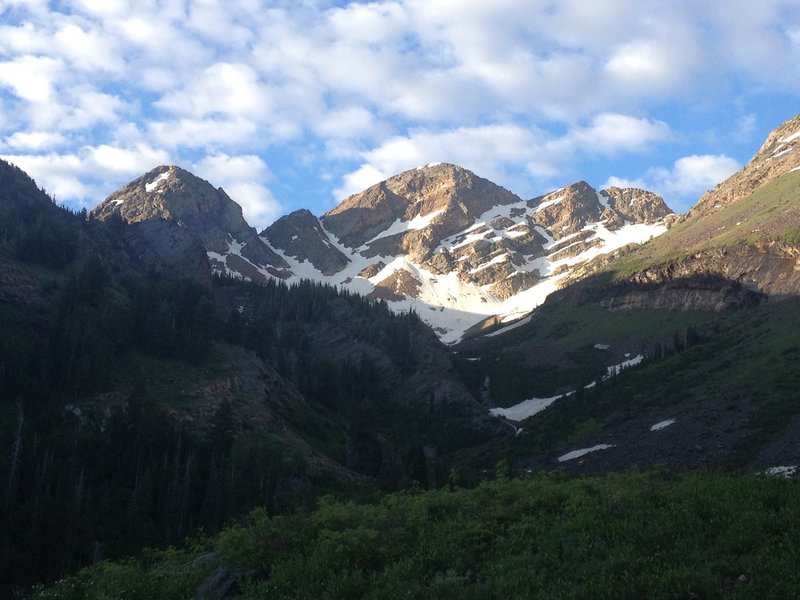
<point>450,305</point>
<point>583,451</point>
<point>528,408</point>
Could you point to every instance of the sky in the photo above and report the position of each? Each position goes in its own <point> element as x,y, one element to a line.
<point>291,104</point>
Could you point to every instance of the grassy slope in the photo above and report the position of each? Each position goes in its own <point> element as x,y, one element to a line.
<point>555,352</point>
<point>633,535</point>
<point>747,360</point>
<point>748,366</point>
<point>771,213</point>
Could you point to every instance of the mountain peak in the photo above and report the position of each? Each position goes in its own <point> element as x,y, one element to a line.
<point>778,155</point>
<point>171,193</point>
<point>450,195</point>
<point>172,197</point>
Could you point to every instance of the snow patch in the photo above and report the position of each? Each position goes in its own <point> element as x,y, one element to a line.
<point>401,226</point>
<point>602,346</point>
<point>783,471</point>
<point>661,425</point>
<point>789,138</point>
<point>583,451</point>
<point>617,369</point>
<point>525,409</point>
<point>149,187</point>
<point>528,408</point>
<point>513,325</point>
<point>544,205</point>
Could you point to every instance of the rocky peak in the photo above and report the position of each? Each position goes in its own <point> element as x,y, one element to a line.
<point>300,234</point>
<point>450,195</point>
<point>567,210</point>
<point>170,197</point>
<point>778,155</point>
<point>635,205</point>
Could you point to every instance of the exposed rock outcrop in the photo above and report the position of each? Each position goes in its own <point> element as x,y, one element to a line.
<point>779,155</point>
<point>174,210</point>
<point>300,234</point>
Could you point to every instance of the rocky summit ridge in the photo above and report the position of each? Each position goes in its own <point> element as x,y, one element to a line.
<point>438,239</point>
<point>458,248</point>
<point>778,155</point>
<point>174,214</point>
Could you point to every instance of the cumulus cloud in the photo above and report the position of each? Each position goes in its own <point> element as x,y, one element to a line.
<point>243,179</point>
<point>87,176</point>
<point>682,184</point>
<point>611,133</point>
<point>524,91</point>
<point>486,150</point>
<point>697,173</point>
<point>31,78</point>
<point>507,154</point>
<point>34,140</point>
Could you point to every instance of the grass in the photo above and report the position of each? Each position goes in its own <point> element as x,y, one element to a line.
<point>633,535</point>
<point>751,364</point>
<point>769,214</point>
<point>556,351</point>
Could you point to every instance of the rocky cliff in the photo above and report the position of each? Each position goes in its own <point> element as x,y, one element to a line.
<point>778,155</point>
<point>459,248</point>
<point>185,221</point>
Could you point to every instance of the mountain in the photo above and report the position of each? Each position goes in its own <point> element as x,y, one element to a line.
<point>778,155</point>
<point>185,224</point>
<point>459,249</point>
<point>701,321</point>
<point>142,399</point>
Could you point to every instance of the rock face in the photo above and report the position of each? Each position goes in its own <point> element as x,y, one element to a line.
<point>740,240</point>
<point>454,246</point>
<point>300,235</point>
<point>179,216</point>
<point>780,154</point>
<point>458,247</point>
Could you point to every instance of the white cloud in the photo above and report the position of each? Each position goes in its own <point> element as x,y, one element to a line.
<point>200,133</point>
<point>61,175</point>
<point>698,173</point>
<point>622,182</point>
<point>486,150</point>
<point>90,174</point>
<point>505,153</point>
<point>244,179</point>
<point>521,91</point>
<point>687,179</point>
<point>611,133</point>
<point>222,88</point>
<point>87,50</point>
<point>34,140</point>
<point>31,77</point>
<point>125,161</point>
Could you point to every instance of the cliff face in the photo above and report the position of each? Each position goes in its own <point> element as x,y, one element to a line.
<point>177,215</point>
<point>458,247</point>
<point>779,155</point>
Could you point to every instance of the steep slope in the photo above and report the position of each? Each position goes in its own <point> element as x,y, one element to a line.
<point>778,155</point>
<point>746,232</point>
<point>139,406</point>
<point>459,249</point>
<point>188,225</point>
<point>708,307</point>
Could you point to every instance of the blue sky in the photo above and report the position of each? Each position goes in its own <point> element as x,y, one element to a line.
<point>299,103</point>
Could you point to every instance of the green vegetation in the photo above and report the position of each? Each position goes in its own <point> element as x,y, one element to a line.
<point>749,364</point>
<point>555,352</point>
<point>769,214</point>
<point>633,535</point>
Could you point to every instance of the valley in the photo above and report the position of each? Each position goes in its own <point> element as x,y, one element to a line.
<point>166,368</point>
